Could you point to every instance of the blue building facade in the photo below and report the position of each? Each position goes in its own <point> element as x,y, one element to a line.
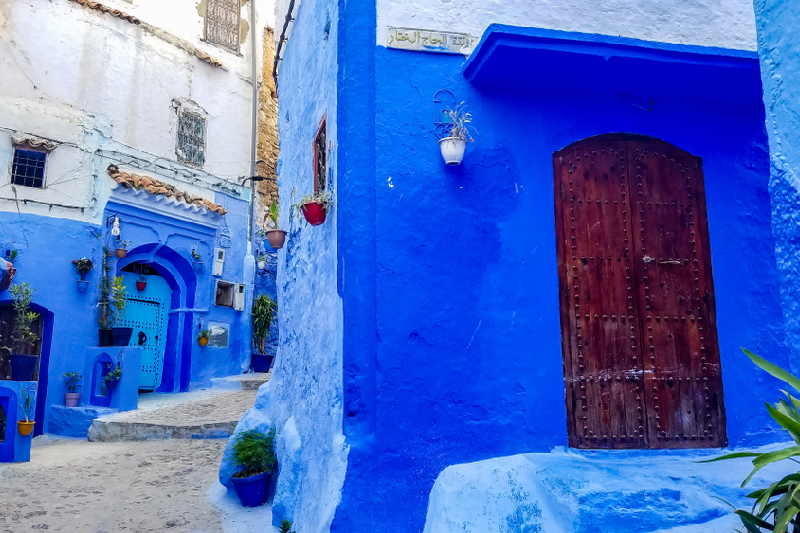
<point>421,324</point>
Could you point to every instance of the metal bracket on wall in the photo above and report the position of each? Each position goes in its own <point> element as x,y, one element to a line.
<point>443,100</point>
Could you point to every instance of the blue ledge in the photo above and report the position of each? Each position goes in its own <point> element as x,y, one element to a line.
<point>511,57</point>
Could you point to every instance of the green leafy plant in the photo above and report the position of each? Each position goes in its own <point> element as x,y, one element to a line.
<point>460,118</point>
<point>262,315</point>
<point>286,526</point>
<point>73,379</point>
<point>140,277</point>
<point>115,374</point>
<point>27,405</point>
<point>123,245</point>
<point>261,234</point>
<point>13,255</point>
<point>118,299</point>
<point>21,333</point>
<point>273,214</point>
<point>203,334</point>
<point>261,257</point>
<point>253,451</point>
<point>104,303</point>
<point>777,506</point>
<point>83,265</point>
<point>196,256</point>
<point>322,198</point>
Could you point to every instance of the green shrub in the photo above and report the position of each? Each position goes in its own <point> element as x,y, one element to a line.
<point>254,453</point>
<point>286,526</point>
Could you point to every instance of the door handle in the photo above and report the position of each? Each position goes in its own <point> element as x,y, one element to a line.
<point>142,338</point>
<point>669,262</point>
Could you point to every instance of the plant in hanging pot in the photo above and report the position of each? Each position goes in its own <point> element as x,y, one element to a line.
<point>122,248</point>
<point>72,397</point>
<point>455,143</point>
<point>113,377</point>
<point>314,207</point>
<point>262,315</point>
<point>105,335</point>
<point>261,261</point>
<point>27,408</point>
<point>202,337</point>
<point>122,335</point>
<point>197,261</point>
<point>23,338</point>
<point>253,453</point>
<point>83,265</point>
<point>275,237</point>
<point>141,282</point>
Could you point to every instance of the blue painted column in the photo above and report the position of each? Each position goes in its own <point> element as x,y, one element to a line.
<point>778,25</point>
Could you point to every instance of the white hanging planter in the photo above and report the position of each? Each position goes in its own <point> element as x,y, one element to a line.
<point>453,149</point>
<point>262,265</point>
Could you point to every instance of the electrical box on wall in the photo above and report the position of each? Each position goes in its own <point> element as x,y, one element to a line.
<point>238,298</point>
<point>219,261</point>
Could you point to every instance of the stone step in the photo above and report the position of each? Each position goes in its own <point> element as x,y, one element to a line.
<point>250,381</point>
<point>212,413</point>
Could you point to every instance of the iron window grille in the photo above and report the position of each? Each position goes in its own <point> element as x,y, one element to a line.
<point>222,24</point>
<point>27,167</point>
<point>191,147</point>
<point>320,157</point>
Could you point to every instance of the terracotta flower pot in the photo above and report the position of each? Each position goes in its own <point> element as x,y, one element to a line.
<point>121,252</point>
<point>276,238</point>
<point>315,213</point>
<point>24,427</point>
<point>71,399</point>
<point>202,341</point>
<point>140,285</point>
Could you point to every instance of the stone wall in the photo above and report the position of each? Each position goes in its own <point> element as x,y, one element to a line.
<point>267,148</point>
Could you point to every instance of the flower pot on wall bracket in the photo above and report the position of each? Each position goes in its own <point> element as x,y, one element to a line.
<point>276,238</point>
<point>202,341</point>
<point>23,366</point>
<point>122,336</point>
<point>82,285</point>
<point>105,337</point>
<point>261,265</point>
<point>140,285</point>
<point>111,384</point>
<point>453,150</point>
<point>315,213</point>
<point>25,427</point>
<point>197,266</point>
<point>121,253</point>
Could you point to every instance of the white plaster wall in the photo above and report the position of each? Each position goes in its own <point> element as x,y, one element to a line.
<point>721,23</point>
<point>106,89</point>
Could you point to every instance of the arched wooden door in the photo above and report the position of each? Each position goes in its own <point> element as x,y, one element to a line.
<point>641,360</point>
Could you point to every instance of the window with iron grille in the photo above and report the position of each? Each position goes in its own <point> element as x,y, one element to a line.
<point>222,24</point>
<point>320,158</point>
<point>27,168</point>
<point>191,147</point>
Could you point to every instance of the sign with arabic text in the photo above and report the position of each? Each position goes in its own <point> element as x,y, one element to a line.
<point>430,41</point>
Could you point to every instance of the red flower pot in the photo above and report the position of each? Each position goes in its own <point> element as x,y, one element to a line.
<point>140,285</point>
<point>315,213</point>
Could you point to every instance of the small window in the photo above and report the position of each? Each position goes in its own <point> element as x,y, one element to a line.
<point>27,168</point>
<point>191,138</point>
<point>320,158</point>
<point>224,294</point>
<point>222,24</point>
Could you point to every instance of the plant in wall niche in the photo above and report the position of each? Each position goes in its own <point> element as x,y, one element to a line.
<point>122,248</point>
<point>27,408</point>
<point>253,453</point>
<point>455,143</point>
<point>314,207</point>
<point>275,237</point>
<point>113,377</point>
<point>104,303</point>
<point>72,396</point>
<point>197,261</point>
<point>777,506</point>
<point>262,315</point>
<point>83,265</point>
<point>202,337</point>
<point>141,282</point>
<point>121,335</point>
<point>23,338</point>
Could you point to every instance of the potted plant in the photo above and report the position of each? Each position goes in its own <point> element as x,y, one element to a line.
<point>262,314</point>
<point>83,266</point>
<point>122,248</point>
<point>113,377</point>
<point>202,337</point>
<point>275,237</point>
<point>261,261</point>
<point>197,261</point>
<point>122,335</point>
<point>141,282</point>
<point>71,397</point>
<point>27,407</point>
<point>105,335</point>
<point>314,207</point>
<point>22,337</point>
<point>253,452</point>
<point>453,145</point>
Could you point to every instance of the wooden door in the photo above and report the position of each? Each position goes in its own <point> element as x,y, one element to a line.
<point>641,362</point>
<point>7,344</point>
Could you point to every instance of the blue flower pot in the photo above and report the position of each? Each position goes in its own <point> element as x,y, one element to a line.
<point>112,384</point>
<point>252,491</point>
<point>122,336</point>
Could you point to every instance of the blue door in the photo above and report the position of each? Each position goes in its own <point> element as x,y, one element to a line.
<point>8,426</point>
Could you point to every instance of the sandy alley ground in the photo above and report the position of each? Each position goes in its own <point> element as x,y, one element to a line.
<point>93,487</point>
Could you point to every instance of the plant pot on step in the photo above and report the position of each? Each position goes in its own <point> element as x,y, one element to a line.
<point>140,285</point>
<point>71,399</point>
<point>315,213</point>
<point>252,490</point>
<point>122,336</point>
<point>453,150</point>
<point>276,238</point>
<point>82,285</point>
<point>112,384</point>
<point>121,253</point>
<point>24,427</point>
<point>23,366</point>
<point>105,337</point>
<point>261,362</point>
